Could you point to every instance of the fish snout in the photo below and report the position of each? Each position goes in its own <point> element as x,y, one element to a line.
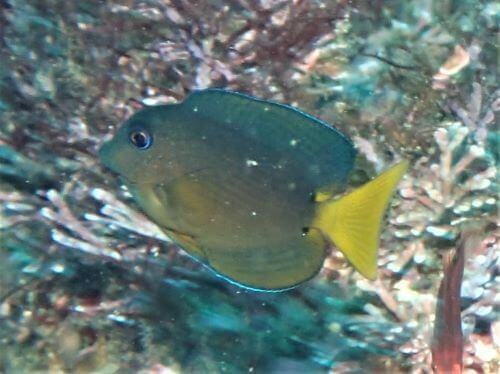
<point>105,154</point>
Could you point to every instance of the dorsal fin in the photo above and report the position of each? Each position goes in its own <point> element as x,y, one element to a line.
<point>329,152</point>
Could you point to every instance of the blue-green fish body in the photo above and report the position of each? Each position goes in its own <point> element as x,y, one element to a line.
<point>246,186</point>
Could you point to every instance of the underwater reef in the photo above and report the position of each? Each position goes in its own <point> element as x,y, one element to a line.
<point>89,284</point>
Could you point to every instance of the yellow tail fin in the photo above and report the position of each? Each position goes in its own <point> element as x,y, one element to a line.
<point>353,222</point>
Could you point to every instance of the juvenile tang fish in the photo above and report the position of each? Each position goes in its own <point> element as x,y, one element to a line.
<point>249,187</point>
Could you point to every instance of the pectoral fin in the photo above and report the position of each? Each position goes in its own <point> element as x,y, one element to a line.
<point>353,222</point>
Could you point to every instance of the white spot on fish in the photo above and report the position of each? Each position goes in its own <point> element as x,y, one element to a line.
<point>266,109</point>
<point>254,213</point>
<point>294,142</point>
<point>292,186</point>
<point>251,163</point>
<point>195,109</point>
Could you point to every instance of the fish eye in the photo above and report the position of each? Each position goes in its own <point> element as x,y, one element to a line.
<point>141,139</point>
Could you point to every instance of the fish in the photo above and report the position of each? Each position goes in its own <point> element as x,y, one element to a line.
<point>257,191</point>
<point>447,345</point>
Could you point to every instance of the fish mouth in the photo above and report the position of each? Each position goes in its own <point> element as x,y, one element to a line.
<point>106,157</point>
<point>105,154</point>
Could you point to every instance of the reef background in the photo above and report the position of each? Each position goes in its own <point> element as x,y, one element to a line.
<point>87,283</point>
